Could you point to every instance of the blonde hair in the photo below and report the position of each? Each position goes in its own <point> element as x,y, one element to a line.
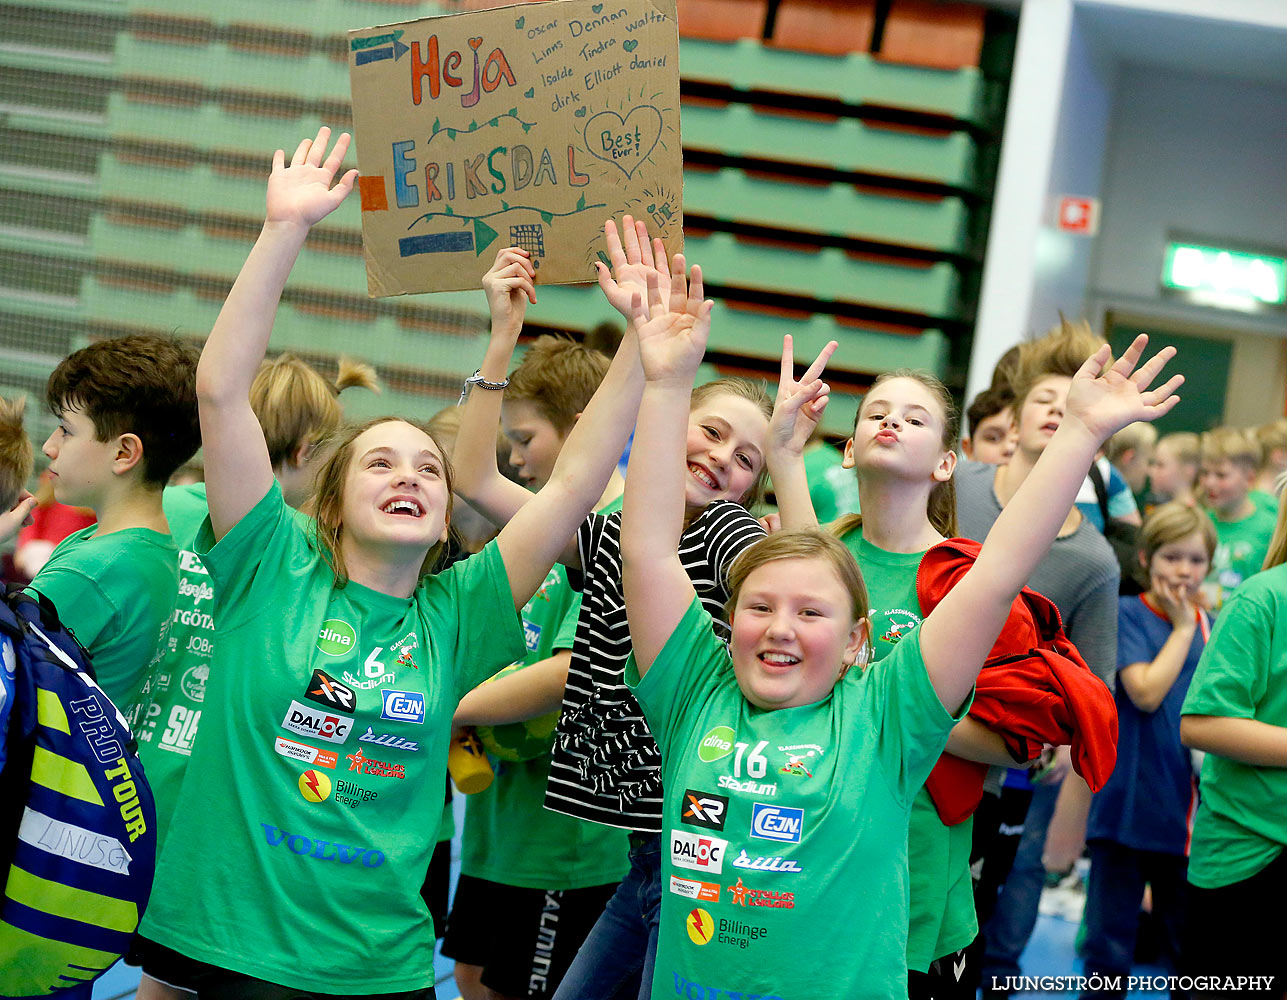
<point>1172,522</point>
<point>1277,554</point>
<point>1272,437</point>
<point>809,543</point>
<point>1187,447</point>
<point>16,454</point>
<point>557,376</point>
<point>1062,350</point>
<point>327,502</point>
<point>296,406</point>
<point>1133,437</point>
<point>941,507</point>
<point>1238,446</point>
<point>753,392</point>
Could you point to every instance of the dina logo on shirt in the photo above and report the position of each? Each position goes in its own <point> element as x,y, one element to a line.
<point>716,744</point>
<point>336,637</point>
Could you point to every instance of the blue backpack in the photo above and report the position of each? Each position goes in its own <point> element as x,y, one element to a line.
<point>77,820</point>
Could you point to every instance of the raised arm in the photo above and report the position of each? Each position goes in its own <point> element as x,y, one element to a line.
<point>958,634</point>
<point>671,345</point>
<point>238,469</point>
<point>525,694</point>
<point>796,412</point>
<point>509,285</point>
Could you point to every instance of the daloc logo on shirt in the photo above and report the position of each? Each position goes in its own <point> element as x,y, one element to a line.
<point>403,706</point>
<point>781,823</point>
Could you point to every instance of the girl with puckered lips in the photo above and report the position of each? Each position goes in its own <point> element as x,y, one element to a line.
<point>308,891</point>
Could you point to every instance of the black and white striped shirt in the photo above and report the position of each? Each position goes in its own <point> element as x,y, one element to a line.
<point>606,766</point>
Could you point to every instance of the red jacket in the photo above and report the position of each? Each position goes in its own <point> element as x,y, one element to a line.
<point>1034,689</point>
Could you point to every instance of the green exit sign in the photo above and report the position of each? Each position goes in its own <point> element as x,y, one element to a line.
<point>1225,275</point>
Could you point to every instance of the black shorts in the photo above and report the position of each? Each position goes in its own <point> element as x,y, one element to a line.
<point>437,884</point>
<point>524,939</point>
<point>222,984</point>
<point>163,964</point>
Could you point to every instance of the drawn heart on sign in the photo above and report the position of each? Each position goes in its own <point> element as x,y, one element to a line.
<point>520,22</point>
<point>475,42</point>
<point>597,8</point>
<point>624,142</point>
<point>579,112</point>
<point>630,44</point>
<point>530,92</point>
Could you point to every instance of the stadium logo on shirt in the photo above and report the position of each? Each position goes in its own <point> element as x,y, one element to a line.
<point>781,823</point>
<point>314,786</point>
<point>716,744</point>
<point>326,690</point>
<point>691,889</point>
<point>306,720</point>
<point>336,637</point>
<point>697,853</point>
<point>403,706</point>
<point>703,809</point>
<point>305,753</point>
<point>700,926</point>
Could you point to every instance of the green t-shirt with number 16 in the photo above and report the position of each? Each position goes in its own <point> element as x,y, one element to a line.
<point>305,823</point>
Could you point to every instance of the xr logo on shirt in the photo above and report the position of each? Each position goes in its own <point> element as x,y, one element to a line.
<point>326,690</point>
<point>703,809</point>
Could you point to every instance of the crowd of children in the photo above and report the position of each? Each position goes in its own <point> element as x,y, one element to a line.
<point>735,757</point>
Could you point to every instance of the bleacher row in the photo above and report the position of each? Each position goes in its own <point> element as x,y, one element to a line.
<point>832,187</point>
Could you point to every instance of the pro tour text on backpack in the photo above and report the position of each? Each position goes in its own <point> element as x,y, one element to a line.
<point>98,730</point>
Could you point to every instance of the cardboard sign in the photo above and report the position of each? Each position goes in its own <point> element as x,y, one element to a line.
<point>521,126</point>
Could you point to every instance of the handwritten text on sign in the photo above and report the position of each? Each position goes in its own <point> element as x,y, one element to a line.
<point>527,126</point>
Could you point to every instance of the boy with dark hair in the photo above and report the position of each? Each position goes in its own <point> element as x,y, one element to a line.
<point>990,418</point>
<point>127,418</point>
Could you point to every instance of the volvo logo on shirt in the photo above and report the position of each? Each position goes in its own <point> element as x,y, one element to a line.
<point>403,706</point>
<point>698,853</point>
<point>326,690</point>
<point>308,720</point>
<point>781,823</point>
<point>703,809</point>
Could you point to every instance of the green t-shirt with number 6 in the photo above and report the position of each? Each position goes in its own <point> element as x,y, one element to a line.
<point>306,819</point>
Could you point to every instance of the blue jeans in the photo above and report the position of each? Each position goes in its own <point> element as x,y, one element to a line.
<point>1011,925</point>
<point>616,961</point>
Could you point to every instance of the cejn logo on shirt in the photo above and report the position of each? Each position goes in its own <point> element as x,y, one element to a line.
<point>403,706</point>
<point>781,823</point>
<point>307,720</point>
<point>326,690</point>
<point>703,854</point>
<point>703,809</point>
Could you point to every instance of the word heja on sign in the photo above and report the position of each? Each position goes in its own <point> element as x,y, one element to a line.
<point>524,126</point>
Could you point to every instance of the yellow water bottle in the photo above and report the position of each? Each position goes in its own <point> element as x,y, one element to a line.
<point>470,770</point>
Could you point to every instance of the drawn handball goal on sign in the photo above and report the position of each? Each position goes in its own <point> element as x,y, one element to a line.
<point>530,238</point>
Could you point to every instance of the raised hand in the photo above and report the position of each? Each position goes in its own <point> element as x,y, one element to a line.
<point>631,265</point>
<point>1179,604</point>
<point>17,517</point>
<point>1104,400</point>
<point>672,329</point>
<point>799,404</point>
<point>302,194</point>
<point>509,284</point>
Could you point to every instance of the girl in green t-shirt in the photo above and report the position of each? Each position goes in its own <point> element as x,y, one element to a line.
<point>304,825</point>
<point>799,621</point>
<point>903,452</point>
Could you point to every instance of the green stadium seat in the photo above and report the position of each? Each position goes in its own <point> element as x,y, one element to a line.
<point>840,144</point>
<point>839,210</point>
<point>854,79</point>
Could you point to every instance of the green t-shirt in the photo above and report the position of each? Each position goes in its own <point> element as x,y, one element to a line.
<point>1241,824</point>
<point>832,488</point>
<point>1264,501</point>
<point>116,593</point>
<point>1240,552</point>
<point>168,710</point>
<point>307,817</point>
<point>510,837</point>
<point>938,857</point>
<point>784,847</point>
